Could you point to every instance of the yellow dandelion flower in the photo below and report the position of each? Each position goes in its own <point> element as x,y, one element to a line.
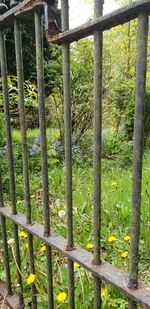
<point>31,279</point>
<point>76,265</point>
<point>122,46</point>
<point>127,238</point>
<point>132,71</point>
<point>19,202</point>
<point>114,184</point>
<point>122,28</point>
<point>61,297</point>
<point>104,292</point>
<point>22,234</point>
<point>43,248</point>
<point>112,239</point>
<point>32,196</point>
<point>125,254</point>
<point>89,246</point>
<point>113,129</point>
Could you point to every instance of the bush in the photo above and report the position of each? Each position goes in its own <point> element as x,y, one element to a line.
<point>31,102</point>
<point>117,146</point>
<point>124,107</point>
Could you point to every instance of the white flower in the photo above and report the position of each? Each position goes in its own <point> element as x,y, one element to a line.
<point>62,214</point>
<point>11,241</point>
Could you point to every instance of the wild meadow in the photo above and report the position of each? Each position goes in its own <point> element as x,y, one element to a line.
<point>116,214</point>
<point>119,81</point>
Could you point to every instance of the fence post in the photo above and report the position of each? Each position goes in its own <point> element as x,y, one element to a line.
<point>141,66</point>
<point>98,43</point>
<point>43,141</point>
<point>10,157</point>
<point>20,75</point>
<point>68,147</point>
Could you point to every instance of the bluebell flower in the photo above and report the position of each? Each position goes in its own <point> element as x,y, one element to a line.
<point>76,149</point>
<point>57,146</point>
<point>37,140</point>
<point>34,149</point>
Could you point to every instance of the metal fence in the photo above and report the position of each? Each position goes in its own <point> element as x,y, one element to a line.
<point>137,292</point>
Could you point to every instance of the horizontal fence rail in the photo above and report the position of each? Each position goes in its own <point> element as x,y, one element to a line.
<point>105,271</point>
<point>127,283</point>
<point>106,22</point>
<point>103,23</point>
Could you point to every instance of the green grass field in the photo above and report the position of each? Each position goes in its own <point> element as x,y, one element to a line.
<point>116,215</point>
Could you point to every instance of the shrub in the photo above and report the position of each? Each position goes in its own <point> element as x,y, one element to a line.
<point>117,146</point>
<point>31,102</point>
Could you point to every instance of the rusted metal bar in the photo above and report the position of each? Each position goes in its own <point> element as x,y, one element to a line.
<point>41,100</point>
<point>7,121</point>
<point>11,300</point>
<point>132,304</point>
<point>24,11</point>
<point>7,18</point>
<point>141,66</point>
<point>20,75</point>
<point>10,154</point>
<point>68,125</point>
<point>5,245</point>
<point>52,20</point>
<point>43,142</point>
<point>68,147</point>
<point>3,8</point>
<point>116,18</point>
<point>106,22</point>
<point>105,271</point>
<point>98,41</point>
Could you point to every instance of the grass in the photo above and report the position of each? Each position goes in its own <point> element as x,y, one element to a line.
<point>116,215</point>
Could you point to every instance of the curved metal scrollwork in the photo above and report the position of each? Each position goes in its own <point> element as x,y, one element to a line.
<point>3,7</point>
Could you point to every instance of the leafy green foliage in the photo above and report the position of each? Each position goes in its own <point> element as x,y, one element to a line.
<point>28,43</point>
<point>51,52</point>
<point>31,102</point>
<point>81,90</point>
<point>82,86</point>
<point>117,146</point>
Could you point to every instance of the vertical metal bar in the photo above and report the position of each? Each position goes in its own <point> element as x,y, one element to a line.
<point>141,67</point>
<point>41,99</point>
<point>68,124</point>
<point>5,245</point>
<point>132,304</point>
<point>19,63</point>
<point>20,75</point>
<point>98,43</point>
<point>68,147</point>
<point>42,120</point>
<point>10,154</point>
